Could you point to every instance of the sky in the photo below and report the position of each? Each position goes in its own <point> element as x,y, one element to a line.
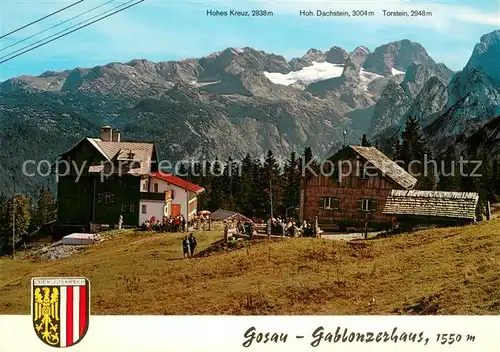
<point>163,30</point>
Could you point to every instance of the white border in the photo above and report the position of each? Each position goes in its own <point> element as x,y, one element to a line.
<point>226,333</point>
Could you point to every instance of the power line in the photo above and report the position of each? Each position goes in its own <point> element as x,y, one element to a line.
<point>65,34</point>
<point>64,30</point>
<point>54,26</point>
<point>40,19</point>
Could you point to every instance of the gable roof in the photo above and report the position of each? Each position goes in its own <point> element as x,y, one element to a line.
<point>141,152</point>
<point>96,145</point>
<point>459,205</point>
<point>222,214</point>
<point>386,166</point>
<point>141,155</point>
<point>179,182</point>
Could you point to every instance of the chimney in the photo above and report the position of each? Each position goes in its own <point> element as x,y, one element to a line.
<point>106,133</point>
<point>116,135</point>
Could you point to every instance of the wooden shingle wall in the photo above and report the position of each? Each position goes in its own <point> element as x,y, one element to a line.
<point>460,205</point>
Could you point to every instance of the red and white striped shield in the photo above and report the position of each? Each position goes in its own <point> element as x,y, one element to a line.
<point>60,308</point>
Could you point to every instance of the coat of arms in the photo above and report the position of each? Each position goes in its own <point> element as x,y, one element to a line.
<point>60,309</point>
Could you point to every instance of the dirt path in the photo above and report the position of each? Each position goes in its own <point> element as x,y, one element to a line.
<point>348,236</point>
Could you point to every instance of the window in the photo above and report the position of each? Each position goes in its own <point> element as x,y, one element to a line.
<point>365,204</point>
<point>99,198</point>
<point>329,203</point>
<point>156,188</point>
<point>132,208</point>
<point>368,204</point>
<point>145,186</point>
<point>108,198</point>
<point>124,208</point>
<point>144,210</point>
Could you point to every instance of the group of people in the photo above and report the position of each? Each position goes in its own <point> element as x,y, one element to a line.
<point>288,227</point>
<point>200,221</point>
<point>174,224</point>
<point>189,245</point>
<point>170,224</point>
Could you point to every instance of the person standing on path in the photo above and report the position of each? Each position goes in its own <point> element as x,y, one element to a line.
<point>185,246</point>
<point>183,224</point>
<point>192,243</point>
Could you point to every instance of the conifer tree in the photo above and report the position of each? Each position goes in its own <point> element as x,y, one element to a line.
<point>248,190</point>
<point>22,219</point>
<point>271,172</point>
<point>182,171</point>
<point>45,207</point>
<point>215,170</point>
<point>496,179</point>
<point>365,142</point>
<point>449,178</point>
<point>261,196</point>
<point>4,222</point>
<point>307,161</point>
<point>413,146</point>
<point>225,186</point>
<point>235,179</point>
<point>396,149</point>
<point>292,182</point>
<point>414,154</point>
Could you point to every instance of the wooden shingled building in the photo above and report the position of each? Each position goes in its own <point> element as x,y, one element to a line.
<point>380,199</point>
<point>345,199</point>
<point>417,208</point>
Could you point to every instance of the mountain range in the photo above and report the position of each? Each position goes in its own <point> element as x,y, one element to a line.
<point>242,100</point>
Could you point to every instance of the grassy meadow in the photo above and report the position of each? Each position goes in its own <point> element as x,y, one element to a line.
<point>437,271</point>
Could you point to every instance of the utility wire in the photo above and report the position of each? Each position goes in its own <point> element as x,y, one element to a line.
<point>9,57</point>
<point>40,19</point>
<point>55,26</point>
<point>64,30</point>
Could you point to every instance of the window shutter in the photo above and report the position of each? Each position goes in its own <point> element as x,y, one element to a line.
<point>112,198</point>
<point>321,202</point>
<point>336,203</point>
<point>99,198</point>
<point>360,204</point>
<point>373,205</point>
<point>124,208</point>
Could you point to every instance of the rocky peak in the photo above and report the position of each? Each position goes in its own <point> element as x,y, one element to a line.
<point>417,75</point>
<point>398,55</point>
<point>312,55</point>
<point>315,55</point>
<point>235,61</point>
<point>336,55</point>
<point>486,56</point>
<point>359,55</point>
<point>392,105</point>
